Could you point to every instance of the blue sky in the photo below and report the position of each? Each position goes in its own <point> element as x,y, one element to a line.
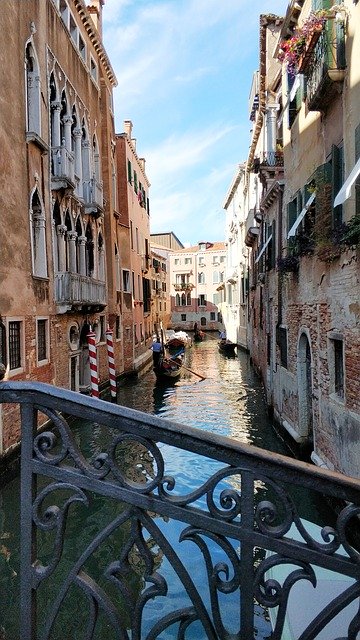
<point>184,69</point>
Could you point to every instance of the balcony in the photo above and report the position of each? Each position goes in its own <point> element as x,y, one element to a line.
<point>325,68</point>
<point>183,286</point>
<point>75,291</point>
<point>251,230</point>
<point>160,524</point>
<point>63,169</point>
<point>93,196</point>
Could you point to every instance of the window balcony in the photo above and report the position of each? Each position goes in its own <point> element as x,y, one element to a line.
<point>93,196</point>
<point>325,68</point>
<point>251,230</point>
<point>183,286</point>
<point>63,168</point>
<point>75,291</point>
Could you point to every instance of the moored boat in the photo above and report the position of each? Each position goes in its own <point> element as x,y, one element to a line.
<point>168,369</point>
<point>177,339</point>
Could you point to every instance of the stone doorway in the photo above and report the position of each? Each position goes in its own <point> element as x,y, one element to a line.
<point>305,390</point>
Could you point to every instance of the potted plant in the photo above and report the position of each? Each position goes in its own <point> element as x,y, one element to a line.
<point>288,264</point>
<point>302,42</point>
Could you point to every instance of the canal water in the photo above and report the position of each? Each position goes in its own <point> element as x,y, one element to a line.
<point>228,402</point>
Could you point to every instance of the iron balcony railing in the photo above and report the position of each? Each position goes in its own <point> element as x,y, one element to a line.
<point>230,552</point>
<point>326,67</point>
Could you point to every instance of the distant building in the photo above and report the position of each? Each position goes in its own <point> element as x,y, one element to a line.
<point>167,240</point>
<point>196,274</point>
<point>134,254</point>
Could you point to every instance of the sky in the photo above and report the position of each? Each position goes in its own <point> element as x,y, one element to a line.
<point>184,71</point>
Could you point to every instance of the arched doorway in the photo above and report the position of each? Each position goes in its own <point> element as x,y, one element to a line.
<point>305,389</point>
<point>84,365</point>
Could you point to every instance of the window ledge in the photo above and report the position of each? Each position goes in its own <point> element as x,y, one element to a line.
<point>32,136</point>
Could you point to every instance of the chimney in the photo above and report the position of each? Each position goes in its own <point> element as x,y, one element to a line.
<point>95,10</point>
<point>128,125</point>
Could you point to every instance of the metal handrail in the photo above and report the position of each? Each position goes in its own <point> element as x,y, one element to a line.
<point>244,508</point>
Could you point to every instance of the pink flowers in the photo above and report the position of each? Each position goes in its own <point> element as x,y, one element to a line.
<point>293,48</point>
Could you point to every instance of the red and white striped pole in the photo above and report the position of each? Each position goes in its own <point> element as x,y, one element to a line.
<point>111,360</point>
<point>93,364</point>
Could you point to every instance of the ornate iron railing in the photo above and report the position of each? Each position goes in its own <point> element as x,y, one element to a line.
<point>327,57</point>
<point>219,562</point>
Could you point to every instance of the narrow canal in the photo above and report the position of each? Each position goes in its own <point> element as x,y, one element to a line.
<point>228,402</point>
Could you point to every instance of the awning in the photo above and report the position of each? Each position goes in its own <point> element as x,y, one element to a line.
<point>263,248</point>
<point>301,215</point>
<point>345,190</point>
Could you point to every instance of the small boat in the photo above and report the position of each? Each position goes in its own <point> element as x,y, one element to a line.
<point>169,369</point>
<point>226,346</point>
<point>176,340</point>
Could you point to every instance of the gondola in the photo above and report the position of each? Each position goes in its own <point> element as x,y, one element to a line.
<point>225,346</point>
<point>168,369</point>
<point>199,336</point>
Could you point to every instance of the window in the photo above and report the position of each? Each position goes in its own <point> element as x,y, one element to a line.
<point>137,239</point>
<point>82,48</point>
<point>222,259</point>
<point>93,69</point>
<point>188,260</point>
<point>201,277</point>
<point>202,300</point>
<point>64,11</point>
<point>129,171</point>
<point>126,281</point>
<point>212,315</point>
<point>203,321</point>
<point>337,179</point>
<point>33,91</point>
<point>336,365</point>
<point>42,340</point>
<point>15,344</point>
<point>38,239</point>
<point>135,182</point>
<point>282,342</point>
<point>216,277</point>
<point>102,329</point>
<point>133,283</point>
<point>183,317</point>
<point>176,261</point>
<point>73,29</point>
<point>141,332</point>
<point>215,259</point>
<point>136,334</point>
<point>177,300</point>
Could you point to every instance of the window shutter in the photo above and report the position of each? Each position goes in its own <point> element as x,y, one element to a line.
<point>292,213</point>
<point>357,181</point>
<point>129,171</point>
<point>337,180</point>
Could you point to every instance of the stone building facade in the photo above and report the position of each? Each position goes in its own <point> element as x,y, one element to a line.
<point>68,267</point>
<point>195,275</point>
<point>303,311</point>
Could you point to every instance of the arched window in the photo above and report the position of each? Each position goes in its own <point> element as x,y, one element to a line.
<point>201,277</point>
<point>203,321</point>
<point>101,258</point>
<point>67,239</point>
<point>96,159</point>
<point>89,251</point>
<point>63,116</point>
<point>78,230</point>
<point>177,300</point>
<point>38,237</point>
<point>33,119</point>
<point>188,299</point>
<point>57,237</point>
<point>183,300</point>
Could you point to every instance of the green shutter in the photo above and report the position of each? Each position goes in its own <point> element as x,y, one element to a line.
<point>292,213</point>
<point>129,171</point>
<point>135,182</point>
<point>337,180</point>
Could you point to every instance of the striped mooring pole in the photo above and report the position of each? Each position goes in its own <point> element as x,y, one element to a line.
<point>111,360</point>
<point>93,364</point>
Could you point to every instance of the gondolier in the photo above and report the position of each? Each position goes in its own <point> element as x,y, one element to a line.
<point>157,350</point>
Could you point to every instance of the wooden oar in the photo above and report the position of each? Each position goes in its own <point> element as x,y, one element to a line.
<point>187,369</point>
